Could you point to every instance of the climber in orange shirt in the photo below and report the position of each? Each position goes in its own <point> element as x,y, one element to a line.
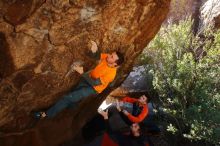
<point>92,83</point>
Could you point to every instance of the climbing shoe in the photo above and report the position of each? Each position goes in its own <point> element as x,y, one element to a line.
<point>39,115</point>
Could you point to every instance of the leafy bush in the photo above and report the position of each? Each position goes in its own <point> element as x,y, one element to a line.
<point>186,72</point>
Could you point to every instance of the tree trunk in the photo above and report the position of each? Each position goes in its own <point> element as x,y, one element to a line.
<point>196,16</point>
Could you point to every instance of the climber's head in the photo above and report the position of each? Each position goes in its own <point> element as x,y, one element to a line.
<point>135,129</point>
<point>142,99</point>
<point>115,59</point>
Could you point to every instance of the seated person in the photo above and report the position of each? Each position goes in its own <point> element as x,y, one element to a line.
<point>138,111</point>
<point>132,138</point>
<point>128,110</point>
<point>134,110</point>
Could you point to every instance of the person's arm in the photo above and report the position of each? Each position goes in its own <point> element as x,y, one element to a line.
<point>114,135</point>
<point>140,117</point>
<point>92,82</point>
<point>105,116</point>
<point>105,80</point>
<point>94,51</point>
<point>107,125</point>
<point>129,99</point>
<point>96,55</point>
<point>108,128</point>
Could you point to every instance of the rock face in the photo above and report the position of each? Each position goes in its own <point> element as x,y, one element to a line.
<point>180,9</point>
<point>139,80</point>
<point>209,10</point>
<point>39,40</point>
<point>211,13</point>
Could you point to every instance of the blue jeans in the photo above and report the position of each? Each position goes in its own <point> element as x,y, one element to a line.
<point>80,92</point>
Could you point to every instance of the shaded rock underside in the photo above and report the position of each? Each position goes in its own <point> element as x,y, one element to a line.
<point>40,39</point>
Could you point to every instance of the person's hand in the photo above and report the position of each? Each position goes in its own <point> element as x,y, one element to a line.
<point>118,105</point>
<point>103,113</point>
<point>125,112</point>
<point>78,69</point>
<point>94,47</point>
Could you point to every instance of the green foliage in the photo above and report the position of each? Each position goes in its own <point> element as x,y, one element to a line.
<point>187,77</point>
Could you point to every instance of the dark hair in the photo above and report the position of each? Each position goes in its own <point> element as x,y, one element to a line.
<point>120,58</point>
<point>142,128</point>
<point>138,94</point>
<point>148,98</point>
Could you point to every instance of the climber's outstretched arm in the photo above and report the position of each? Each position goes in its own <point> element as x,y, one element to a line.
<point>94,51</point>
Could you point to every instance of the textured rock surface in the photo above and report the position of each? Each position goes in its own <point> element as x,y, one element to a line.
<point>138,81</point>
<point>180,9</point>
<point>211,13</point>
<point>39,40</point>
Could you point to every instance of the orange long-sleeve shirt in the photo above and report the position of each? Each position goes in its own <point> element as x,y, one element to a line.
<point>142,115</point>
<point>103,72</point>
